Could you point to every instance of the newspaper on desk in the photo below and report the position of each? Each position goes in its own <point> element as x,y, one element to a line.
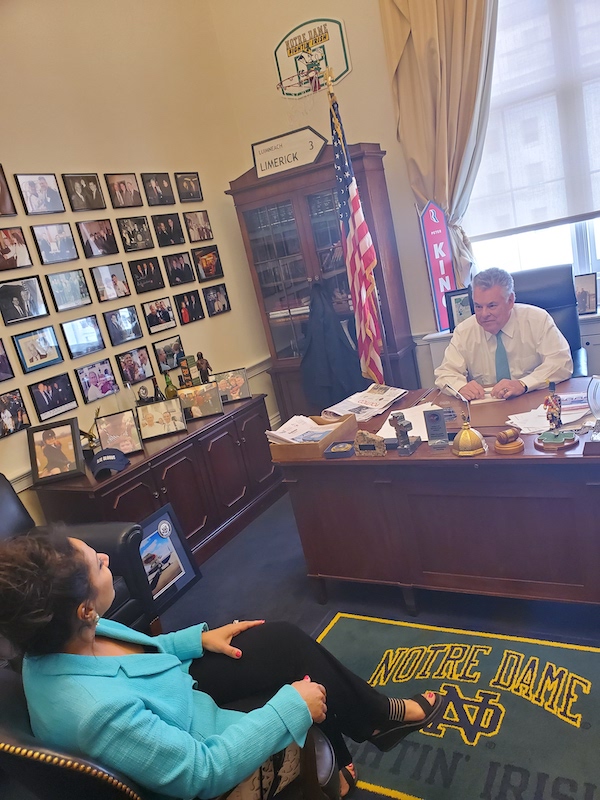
<point>574,410</point>
<point>366,405</point>
<point>299,429</point>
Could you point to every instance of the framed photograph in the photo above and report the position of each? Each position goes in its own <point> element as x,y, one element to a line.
<point>159,315</point>
<point>586,293</point>
<point>160,419</point>
<point>53,396</point>
<point>169,353</point>
<point>146,274</point>
<point>198,225</point>
<point>216,299</point>
<point>157,186</point>
<point>40,193</point>
<point>168,230</point>
<point>6,371</point>
<point>123,189</point>
<point>120,431</point>
<point>459,305</point>
<point>7,207</point>
<point>37,349</point>
<point>110,282</point>
<point>13,414</point>
<point>123,325</point>
<point>22,299</point>
<point>13,249</point>
<point>232,385</point>
<point>189,307</point>
<point>135,365</point>
<point>207,262</point>
<point>96,380</point>
<point>135,234</point>
<point>69,289</point>
<point>54,243</point>
<point>55,451</point>
<point>84,192</point>
<point>97,238</point>
<point>82,336</point>
<point>179,269</point>
<point>188,187</point>
<point>201,401</point>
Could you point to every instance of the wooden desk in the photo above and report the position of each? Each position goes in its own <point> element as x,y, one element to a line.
<point>520,526</point>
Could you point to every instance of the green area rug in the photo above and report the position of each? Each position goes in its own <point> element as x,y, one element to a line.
<point>520,721</point>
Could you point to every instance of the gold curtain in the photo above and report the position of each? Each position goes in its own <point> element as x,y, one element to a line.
<point>440,55</point>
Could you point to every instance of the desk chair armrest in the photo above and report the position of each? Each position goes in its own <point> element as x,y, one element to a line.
<point>580,363</point>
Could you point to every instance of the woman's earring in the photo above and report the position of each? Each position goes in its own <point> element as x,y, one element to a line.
<point>96,618</point>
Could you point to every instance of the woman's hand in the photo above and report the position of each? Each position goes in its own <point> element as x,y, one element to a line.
<point>314,695</point>
<point>219,639</point>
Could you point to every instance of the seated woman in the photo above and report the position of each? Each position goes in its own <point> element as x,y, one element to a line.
<point>152,707</point>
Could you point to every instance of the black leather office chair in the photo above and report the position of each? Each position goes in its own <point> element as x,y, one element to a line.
<point>553,289</point>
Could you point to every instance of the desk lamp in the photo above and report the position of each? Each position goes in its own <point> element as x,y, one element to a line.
<point>468,441</point>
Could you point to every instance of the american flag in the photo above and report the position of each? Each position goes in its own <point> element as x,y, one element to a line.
<point>359,254</point>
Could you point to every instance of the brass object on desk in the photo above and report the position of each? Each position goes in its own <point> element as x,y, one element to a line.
<point>508,442</point>
<point>468,441</point>
<point>369,445</point>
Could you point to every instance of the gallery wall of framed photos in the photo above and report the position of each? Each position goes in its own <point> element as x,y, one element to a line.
<point>95,267</point>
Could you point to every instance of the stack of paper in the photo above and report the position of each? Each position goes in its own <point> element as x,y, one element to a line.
<point>299,429</point>
<point>414,415</point>
<point>536,422</point>
<point>366,405</point>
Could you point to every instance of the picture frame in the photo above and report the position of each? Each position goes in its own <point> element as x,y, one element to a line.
<point>146,274</point>
<point>188,187</point>
<point>84,191</point>
<point>13,414</point>
<point>119,431</point>
<point>134,365</point>
<point>40,193</point>
<point>68,289</point>
<point>135,234</point>
<point>55,451</point>
<point>55,243</point>
<point>123,189</point>
<point>122,325</point>
<point>459,304</point>
<point>83,336</point>
<point>97,238</point>
<point>169,353</point>
<point>198,226</point>
<point>53,396</point>
<point>233,385</point>
<point>207,262</point>
<point>22,299</point>
<point>14,252</point>
<point>168,230</point>
<point>157,186</point>
<point>189,306</point>
<point>200,401</point>
<point>160,419</point>
<point>216,299</point>
<point>179,269</point>
<point>159,315</point>
<point>110,282</point>
<point>586,292</point>
<point>37,349</point>
<point>7,206</point>
<point>6,370</point>
<point>97,380</point>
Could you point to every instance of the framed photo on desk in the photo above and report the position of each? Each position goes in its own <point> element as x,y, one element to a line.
<point>586,294</point>
<point>459,305</point>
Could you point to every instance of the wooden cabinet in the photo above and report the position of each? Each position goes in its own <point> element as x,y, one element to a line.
<point>217,477</point>
<point>291,233</point>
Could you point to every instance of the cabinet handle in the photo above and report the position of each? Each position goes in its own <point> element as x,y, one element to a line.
<point>155,494</point>
<point>163,489</point>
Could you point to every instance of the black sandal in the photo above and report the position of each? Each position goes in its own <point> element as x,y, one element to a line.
<point>394,732</point>
<point>350,779</point>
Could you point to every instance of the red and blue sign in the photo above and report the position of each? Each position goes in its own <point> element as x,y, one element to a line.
<point>439,259</point>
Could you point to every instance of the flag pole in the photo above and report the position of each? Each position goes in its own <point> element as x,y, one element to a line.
<point>328,75</point>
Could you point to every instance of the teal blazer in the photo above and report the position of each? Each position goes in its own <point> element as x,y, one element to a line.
<point>139,714</point>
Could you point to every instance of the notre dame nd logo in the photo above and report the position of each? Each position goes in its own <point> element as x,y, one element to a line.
<point>472,717</point>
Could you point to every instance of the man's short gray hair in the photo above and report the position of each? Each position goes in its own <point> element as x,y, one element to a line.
<point>494,277</point>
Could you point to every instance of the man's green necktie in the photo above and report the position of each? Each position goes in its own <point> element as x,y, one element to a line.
<point>502,368</point>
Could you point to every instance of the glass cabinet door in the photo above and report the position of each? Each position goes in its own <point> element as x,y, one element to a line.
<point>282,274</point>
<point>325,222</point>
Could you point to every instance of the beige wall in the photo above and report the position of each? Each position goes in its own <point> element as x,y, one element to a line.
<point>145,85</point>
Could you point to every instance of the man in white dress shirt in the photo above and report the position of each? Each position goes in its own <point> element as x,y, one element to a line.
<point>512,348</point>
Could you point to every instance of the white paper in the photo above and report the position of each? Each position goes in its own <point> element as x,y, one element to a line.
<point>414,415</point>
<point>366,405</point>
<point>299,429</point>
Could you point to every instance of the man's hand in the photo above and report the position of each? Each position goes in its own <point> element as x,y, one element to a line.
<point>219,639</point>
<point>505,389</point>
<point>472,391</point>
<point>314,695</point>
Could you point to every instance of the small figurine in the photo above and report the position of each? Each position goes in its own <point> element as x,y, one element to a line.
<point>552,405</point>
<point>204,368</point>
<point>406,444</point>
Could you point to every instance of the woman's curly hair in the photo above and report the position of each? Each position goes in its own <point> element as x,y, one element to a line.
<point>43,580</point>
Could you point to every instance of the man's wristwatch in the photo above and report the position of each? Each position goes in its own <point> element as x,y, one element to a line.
<point>524,385</point>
